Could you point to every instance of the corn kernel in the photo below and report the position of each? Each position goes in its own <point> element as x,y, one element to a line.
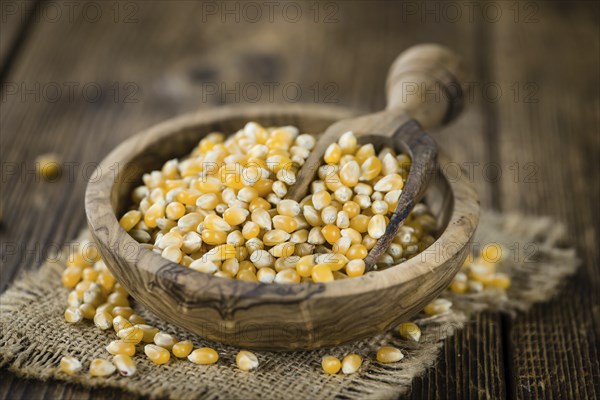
<point>409,331</point>
<point>121,347</point>
<point>351,363</point>
<point>376,226</point>
<point>125,365</point>
<point>437,307</point>
<point>246,361</point>
<point>131,335</point>
<point>165,340</point>
<point>157,354</point>
<point>331,365</point>
<point>130,219</point>
<point>204,356</point>
<point>321,273</point>
<point>355,267</point>
<point>182,349</point>
<point>70,365</point>
<point>389,354</point>
<point>333,153</point>
<point>100,367</point>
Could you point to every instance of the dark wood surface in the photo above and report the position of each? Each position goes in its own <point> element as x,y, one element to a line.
<point>155,60</point>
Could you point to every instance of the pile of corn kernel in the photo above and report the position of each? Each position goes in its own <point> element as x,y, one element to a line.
<point>222,210</point>
<point>479,273</point>
<point>96,297</point>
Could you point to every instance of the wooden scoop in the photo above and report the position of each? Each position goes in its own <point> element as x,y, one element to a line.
<point>423,91</point>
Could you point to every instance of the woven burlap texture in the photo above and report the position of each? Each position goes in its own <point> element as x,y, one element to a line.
<point>35,335</point>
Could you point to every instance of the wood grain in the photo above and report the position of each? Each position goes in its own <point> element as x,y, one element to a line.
<point>352,54</point>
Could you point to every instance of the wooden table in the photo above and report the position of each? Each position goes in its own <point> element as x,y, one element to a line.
<point>79,77</point>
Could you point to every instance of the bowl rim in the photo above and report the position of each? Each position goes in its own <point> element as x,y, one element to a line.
<point>98,203</point>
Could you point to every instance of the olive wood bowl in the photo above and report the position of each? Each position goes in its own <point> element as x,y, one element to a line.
<point>270,316</point>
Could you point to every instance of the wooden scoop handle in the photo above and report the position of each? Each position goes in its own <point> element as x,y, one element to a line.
<point>425,83</point>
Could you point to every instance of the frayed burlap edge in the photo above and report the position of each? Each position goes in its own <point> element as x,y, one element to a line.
<point>35,336</point>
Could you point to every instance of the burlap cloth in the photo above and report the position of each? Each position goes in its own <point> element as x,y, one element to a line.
<point>35,335</point>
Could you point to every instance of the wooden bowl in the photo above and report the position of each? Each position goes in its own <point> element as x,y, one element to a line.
<point>258,315</point>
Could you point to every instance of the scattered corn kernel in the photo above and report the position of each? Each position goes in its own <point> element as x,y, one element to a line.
<point>204,355</point>
<point>101,367</point>
<point>389,354</point>
<point>70,365</point>
<point>410,331</point>
<point>351,363</point>
<point>246,361</point>
<point>182,349</point>
<point>331,365</point>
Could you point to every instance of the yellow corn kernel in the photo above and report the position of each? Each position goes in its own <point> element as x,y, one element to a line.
<point>121,347</point>
<point>48,166</point>
<point>118,299</point>
<point>438,306</point>
<point>90,274</point>
<point>73,315</point>
<point>263,187</point>
<point>275,236</point>
<point>103,320</point>
<point>355,267</point>
<point>352,234</point>
<point>157,354</point>
<point>71,276</point>
<point>334,261</point>
<point>409,331</point>
<point>331,365</point>
<point>360,223</point>
<point>246,361</point>
<point>289,208</point>
<point>333,153</point>
<point>188,197</point>
<point>500,280</point>
<point>262,218</point>
<point>131,335</point>
<point>285,223</point>
<point>208,185</point>
<point>165,340</point>
<point>220,253</point>
<point>370,168</point>
<point>287,276</point>
<point>235,215</point>
<point>266,275</point>
<point>458,287</point>
<point>156,211</point>
<point>130,219</point>
<point>389,183</point>
<point>175,210</point>
<point>376,226</point>
<point>182,349</point>
<point>259,203</point>
<point>322,273</point>
<point>483,273</point>
<point>70,365</point>
<point>247,275</point>
<point>321,200</point>
<point>305,266</point>
<point>364,152</point>
<point>213,237</point>
<point>285,249</point>
<point>125,364</point>
<point>136,319</point>
<point>250,230</point>
<point>204,356</point>
<point>351,208</point>
<point>491,253</point>
<point>125,312</point>
<point>389,354</point>
<point>87,311</point>
<point>357,251</point>
<point>350,173</point>
<point>331,233</point>
<point>351,363</point>
<point>100,367</point>
<point>119,323</point>
<point>106,280</point>
<point>214,222</point>
<point>148,332</point>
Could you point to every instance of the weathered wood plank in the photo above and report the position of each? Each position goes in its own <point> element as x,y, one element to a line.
<point>16,17</point>
<point>550,134</point>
